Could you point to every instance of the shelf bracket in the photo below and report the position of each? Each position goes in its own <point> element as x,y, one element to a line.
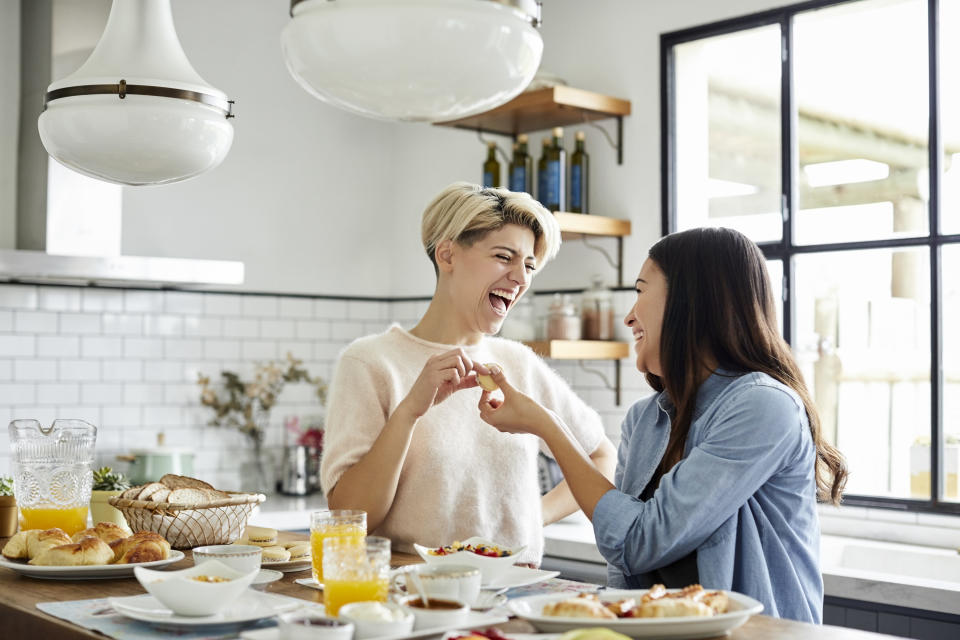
<point>503,154</point>
<point>616,263</point>
<point>615,387</point>
<point>616,144</point>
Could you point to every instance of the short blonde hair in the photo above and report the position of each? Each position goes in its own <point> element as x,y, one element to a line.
<point>465,212</point>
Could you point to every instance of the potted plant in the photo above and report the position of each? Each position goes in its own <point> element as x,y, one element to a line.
<point>8,508</point>
<point>107,483</point>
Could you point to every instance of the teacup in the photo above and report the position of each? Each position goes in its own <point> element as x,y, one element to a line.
<point>449,581</point>
<point>239,557</point>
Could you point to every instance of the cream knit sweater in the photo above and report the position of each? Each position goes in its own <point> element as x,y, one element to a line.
<point>461,477</point>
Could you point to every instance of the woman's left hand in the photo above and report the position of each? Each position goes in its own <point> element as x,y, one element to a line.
<point>516,413</point>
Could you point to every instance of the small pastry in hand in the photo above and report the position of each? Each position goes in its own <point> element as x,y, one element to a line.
<point>88,551</point>
<point>486,382</point>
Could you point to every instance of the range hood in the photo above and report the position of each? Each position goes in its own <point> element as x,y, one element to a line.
<point>66,225</point>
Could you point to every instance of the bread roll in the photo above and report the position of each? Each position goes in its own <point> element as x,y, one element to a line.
<point>88,551</point>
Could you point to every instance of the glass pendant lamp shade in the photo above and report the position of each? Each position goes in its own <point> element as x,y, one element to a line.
<point>137,112</point>
<point>413,60</point>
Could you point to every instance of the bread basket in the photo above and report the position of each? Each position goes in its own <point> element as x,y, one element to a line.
<point>191,525</point>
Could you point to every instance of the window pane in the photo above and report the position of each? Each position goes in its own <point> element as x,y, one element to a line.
<point>775,270</point>
<point>950,116</point>
<point>861,87</point>
<point>951,372</point>
<point>727,124</point>
<point>863,341</point>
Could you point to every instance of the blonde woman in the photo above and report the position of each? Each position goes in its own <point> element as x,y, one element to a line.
<point>404,438</point>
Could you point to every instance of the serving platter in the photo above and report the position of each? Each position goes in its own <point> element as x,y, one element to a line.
<point>86,572</point>
<point>740,609</point>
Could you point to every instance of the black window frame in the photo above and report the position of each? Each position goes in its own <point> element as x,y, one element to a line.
<point>785,249</point>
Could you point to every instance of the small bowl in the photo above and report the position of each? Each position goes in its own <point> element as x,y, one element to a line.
<point>443,613</point>
<point>490,568</point>
<point>305,625</point>
<point>183,594</point>
<point>240,557</point>
<point>367,628</point>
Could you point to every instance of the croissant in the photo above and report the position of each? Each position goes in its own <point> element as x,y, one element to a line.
<point>32,542</point>
<point>106,531</point>
<point>577,608</point>
<point>122,546</point>
<point>671,608</point>
<point>88,551</point>
<point>145,551</point>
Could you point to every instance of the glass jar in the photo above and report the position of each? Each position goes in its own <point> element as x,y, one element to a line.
<point>597,311</point>
<point>520,325</point>
<point>563,321</point>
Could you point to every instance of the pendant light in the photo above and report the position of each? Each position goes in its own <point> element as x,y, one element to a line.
<point>137,112</point>
<point>413,60</point>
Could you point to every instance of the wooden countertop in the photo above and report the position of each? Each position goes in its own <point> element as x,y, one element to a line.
<point>20,618</point>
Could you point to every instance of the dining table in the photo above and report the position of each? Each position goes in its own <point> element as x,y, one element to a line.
<point>21,619</point>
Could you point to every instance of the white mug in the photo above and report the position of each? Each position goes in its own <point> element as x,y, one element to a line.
<point>450,581</point>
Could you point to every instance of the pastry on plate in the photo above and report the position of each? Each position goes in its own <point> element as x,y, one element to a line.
<point>299,552</point>
<point>121,548</point>
<point>106,531</point>
<point>32,542</point>
<point>275,554</point>
<point>579,607</point>
<point>261,536</point>
<point>88,551</point>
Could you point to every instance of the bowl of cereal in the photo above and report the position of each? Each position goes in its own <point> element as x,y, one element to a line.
<point>490,558</point>
<point>201,590</point>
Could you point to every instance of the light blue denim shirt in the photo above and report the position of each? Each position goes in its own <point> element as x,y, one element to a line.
<point>743,497</point>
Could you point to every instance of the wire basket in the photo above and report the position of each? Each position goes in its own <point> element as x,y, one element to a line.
<point>189,525</point>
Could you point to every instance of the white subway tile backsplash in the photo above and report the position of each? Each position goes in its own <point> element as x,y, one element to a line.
<point>365,310</point>
<point>183,302</point>
<point>183,348</point>
<point>17,345</point>
<point>44,415</point>
<point>6,371</point>
<point>17,394</point>
<point>223,304</point>
<point>299,349</point>
<point>163,371</point>
<point>60,394</point>
<point>16,296</point>
<point>142,393</point>
<point>125,324</point>
<point>292,308</point>
<point>80,370</point>
<point>58,346</point>
<point>277,329</point>
<point>330,309</point>
<point>259,306</point>
<point>59,298</point>
<point>327,350</point>
<point>162,416</point>
<point>35,322</point>
<point>313,329</point>
<point>181,394</point>
<point>202,327</point>
<point>143,347</point>
<point>97,347</point>
<point>142,301</point>
<point>259,349</point>
<point>34,370</point>
<point>102,300</point>
<point>125,370</point>
<point>6,320</point>
<point>87,414</point>
<point>100,393</point>
<point>349,330</point>
<point>241,328</point>
<point>163,325</point>
<point>82,323</point>
<point>221,349</point>
<point>121,417</point>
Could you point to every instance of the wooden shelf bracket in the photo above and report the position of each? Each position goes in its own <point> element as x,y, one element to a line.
<point>615,387</point>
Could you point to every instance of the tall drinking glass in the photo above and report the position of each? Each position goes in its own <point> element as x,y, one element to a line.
<point>52,477</point>
<point>355,570</point>
<point>334,523</point>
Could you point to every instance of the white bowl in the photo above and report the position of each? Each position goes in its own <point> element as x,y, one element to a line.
<point>452,614</point>
<point>239,557</point>
<point>305,625</point>
<point>402,624</point>
<point>183,594</point>
<point>490,568</point>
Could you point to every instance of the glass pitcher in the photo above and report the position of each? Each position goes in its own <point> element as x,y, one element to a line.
<point>52,477</point>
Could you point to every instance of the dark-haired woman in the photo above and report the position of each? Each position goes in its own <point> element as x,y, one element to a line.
<point>718,474</point>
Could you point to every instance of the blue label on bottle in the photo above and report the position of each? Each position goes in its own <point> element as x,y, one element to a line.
<point>553,184</point>
<point>518,179</point>
<point>542,187</point>
<point>576,192</point>
<point>487,179</point>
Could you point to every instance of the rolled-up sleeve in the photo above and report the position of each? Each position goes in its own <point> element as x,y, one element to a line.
<point>756,431</point>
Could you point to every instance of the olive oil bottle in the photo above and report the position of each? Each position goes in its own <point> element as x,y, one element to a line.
<point>555,183</point>
<point>521,168</point>
<point>579,176</point>
<point>542,172</point>
<point>491,168</point>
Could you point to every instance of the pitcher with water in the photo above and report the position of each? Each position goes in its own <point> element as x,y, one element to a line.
<point>52,475</point>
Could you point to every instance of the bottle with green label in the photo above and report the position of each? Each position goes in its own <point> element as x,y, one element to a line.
<point>491,168</point>
<point>542,173</point>
<point>555,183</point>
<point>579,176</point>
<point>521,168</point>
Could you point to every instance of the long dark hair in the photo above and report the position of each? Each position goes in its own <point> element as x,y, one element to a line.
<point>720,305</point>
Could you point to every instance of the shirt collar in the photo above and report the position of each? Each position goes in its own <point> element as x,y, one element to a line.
<point>709,390</point>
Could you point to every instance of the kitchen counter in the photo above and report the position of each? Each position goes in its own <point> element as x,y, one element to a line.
<point>20,618</point>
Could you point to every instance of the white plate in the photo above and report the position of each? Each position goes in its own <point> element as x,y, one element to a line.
<point>87,572</point>
<point>740,609</point>
<point>514,576</point>
<point>252,605</point>
<point>265,577</point>
<point>474,620</point>
<point>289,565</point>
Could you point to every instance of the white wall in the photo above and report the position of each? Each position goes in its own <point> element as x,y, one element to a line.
<point>9,119</point>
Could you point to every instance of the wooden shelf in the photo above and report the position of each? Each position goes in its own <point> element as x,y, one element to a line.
<point>591,225</point>
<point>580,349</point>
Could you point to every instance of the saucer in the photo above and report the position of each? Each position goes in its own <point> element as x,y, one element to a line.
<point>265,577</point>
<point>252,605</point>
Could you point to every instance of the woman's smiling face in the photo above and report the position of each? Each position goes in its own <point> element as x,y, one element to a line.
<point>489,276</point>
<point>645,318</point>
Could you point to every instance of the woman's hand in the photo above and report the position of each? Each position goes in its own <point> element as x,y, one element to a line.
<point>442,375</point>
<point>517,412</point>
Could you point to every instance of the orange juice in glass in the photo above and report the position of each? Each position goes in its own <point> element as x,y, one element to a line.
<point>355,570</point>
<point>334,523</point>
<point>70,519</point>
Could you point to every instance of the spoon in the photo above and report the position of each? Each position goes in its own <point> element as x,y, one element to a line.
<point>414,577</point>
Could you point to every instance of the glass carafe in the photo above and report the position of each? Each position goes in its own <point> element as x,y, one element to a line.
<point>52,477</point>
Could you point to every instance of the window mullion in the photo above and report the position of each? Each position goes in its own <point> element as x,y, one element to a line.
<point>788,168</point>
<point>935,145</point>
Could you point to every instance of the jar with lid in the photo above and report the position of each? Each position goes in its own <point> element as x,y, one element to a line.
<point>563,321</point>
<point>597,311</point>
